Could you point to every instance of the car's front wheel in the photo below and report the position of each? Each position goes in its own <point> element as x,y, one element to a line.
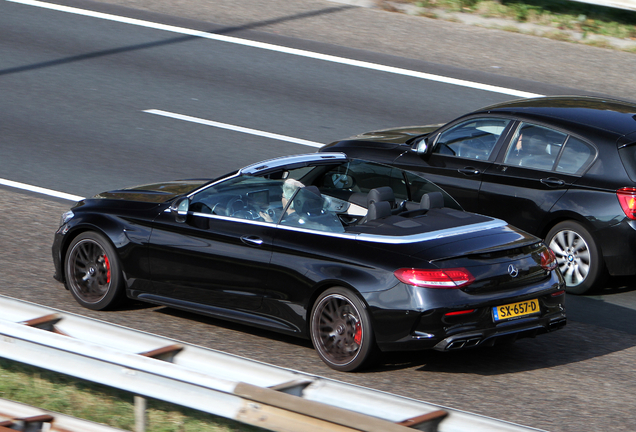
<point>92,271</point>
<point>341,330</point>
<point>577,255</point>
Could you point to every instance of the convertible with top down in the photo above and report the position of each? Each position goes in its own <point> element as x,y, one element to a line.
<point>357,256</point>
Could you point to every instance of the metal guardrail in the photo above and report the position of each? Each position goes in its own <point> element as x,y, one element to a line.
<point>16,417</point>
<point>214,382</point>
<point>618,4</point>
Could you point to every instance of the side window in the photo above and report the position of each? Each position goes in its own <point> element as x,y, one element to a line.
<point>576,156</point>
<point>473,139</point>
<point>534,147</point>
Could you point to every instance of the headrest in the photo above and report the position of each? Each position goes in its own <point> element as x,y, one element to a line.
<point>432,200</point>
<point>378,210</point>
<point>384,193</point>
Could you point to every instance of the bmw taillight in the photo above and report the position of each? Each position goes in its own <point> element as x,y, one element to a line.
<point>627,199</point>
<point>442,278</point>
<point>548,259</point>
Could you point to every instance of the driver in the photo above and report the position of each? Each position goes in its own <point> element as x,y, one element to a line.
<point>289,188</point>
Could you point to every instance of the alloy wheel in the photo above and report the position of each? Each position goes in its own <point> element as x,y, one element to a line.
<point>339,332</point>
<point>573,256</point>
<point>89,270</point>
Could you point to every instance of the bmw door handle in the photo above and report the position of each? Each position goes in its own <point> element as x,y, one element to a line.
<point>469,171</point>
<point>552,182</point>
<point>252,240</point>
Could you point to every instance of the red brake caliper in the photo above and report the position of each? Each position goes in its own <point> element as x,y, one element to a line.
<point>357,338</point>
<point>107,264</point>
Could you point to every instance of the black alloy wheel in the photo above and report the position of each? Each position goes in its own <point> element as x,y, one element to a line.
<point>577,256</point>
<point>341,330</point>
<point>92,271</point>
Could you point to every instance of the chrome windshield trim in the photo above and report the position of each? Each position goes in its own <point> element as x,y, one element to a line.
<point>374,238</point>
<point>204,187</point>
<point>291,160</point>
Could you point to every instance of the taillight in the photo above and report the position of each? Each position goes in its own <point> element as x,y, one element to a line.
<point>627,199</point>
<point>444,278</point>
<point>548,259</point>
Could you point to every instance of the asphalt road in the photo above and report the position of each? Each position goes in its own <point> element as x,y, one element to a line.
<point>75,90</point>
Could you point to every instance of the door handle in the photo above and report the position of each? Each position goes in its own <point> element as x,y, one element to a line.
<point>552,182</point>
<point>469,171</point>
<point>252,240</point>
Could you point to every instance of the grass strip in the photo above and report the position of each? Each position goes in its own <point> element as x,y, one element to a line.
<point>560,15</point>
<point>86,400</point>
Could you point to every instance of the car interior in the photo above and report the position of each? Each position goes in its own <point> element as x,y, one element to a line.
<point>324,198</point>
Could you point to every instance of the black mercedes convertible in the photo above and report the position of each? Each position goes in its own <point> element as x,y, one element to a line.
<point>357,256</point>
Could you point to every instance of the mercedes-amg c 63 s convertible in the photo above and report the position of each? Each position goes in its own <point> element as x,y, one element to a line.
<point>357,256</point>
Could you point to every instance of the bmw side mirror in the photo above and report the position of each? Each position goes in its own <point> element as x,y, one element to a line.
<point>179,209</point>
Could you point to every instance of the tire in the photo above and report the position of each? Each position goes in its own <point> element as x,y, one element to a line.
<point>92,271</point>
<point>341,330</point>
<point>578,256</point>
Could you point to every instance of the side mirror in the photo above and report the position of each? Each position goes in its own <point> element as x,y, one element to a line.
<point>179,209</point>
<point>421,146</point>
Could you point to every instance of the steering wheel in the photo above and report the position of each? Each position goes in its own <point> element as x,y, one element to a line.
<point>229,208</point>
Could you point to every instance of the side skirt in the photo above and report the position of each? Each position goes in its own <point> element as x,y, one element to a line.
<point>238,316</point>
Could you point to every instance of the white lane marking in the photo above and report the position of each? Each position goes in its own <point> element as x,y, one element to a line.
<point>40,190</point>
<point>282,49</point>
<point>234,128</point>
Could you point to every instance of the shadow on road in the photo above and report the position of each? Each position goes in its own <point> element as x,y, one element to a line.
<point>597,325</point>
<point>613,307</point>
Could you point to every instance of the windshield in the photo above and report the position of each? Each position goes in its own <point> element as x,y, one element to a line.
<point>326,197</point>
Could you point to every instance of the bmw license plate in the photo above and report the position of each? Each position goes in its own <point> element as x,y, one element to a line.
<point>515,310</point>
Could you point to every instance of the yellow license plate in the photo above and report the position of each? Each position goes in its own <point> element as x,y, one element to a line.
<point>515,310</point>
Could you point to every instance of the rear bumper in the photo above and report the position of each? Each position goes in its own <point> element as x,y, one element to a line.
<point>618,246</point>
<point>440,330</point>
<point>507,334</point>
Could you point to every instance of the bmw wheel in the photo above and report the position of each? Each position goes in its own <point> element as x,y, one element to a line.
<point>577,256</point>
<point>341,330</point>
<point>92,271</point>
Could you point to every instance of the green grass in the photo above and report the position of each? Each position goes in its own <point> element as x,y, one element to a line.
<point>66,395</point>
<point>558,14</point>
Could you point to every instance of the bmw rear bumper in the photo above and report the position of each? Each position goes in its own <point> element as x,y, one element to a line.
<point>618,246</point>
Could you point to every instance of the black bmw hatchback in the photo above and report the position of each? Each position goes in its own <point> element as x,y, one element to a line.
<point>562,168</point>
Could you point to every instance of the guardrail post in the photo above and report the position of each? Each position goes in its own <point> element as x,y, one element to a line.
<point>140,414</point>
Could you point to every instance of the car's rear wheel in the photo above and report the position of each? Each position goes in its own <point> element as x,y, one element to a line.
<point>577,255</point>
<point>93,273</point>
<point>341,330</point>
